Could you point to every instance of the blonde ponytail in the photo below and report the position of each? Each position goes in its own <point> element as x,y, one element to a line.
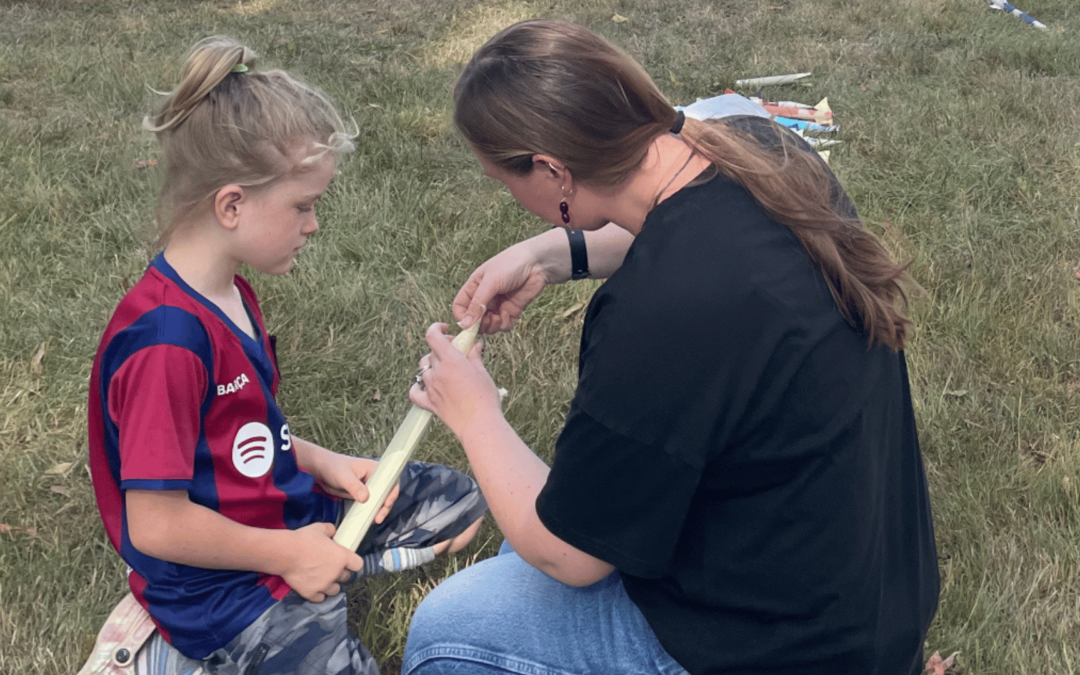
<point>209,62</point>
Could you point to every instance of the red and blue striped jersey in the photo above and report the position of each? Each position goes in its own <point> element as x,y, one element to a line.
<point>183,399</point>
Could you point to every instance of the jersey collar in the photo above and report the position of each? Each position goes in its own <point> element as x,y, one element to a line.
<point>255,344</point>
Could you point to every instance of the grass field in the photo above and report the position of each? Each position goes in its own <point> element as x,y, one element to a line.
<point>961,148</point>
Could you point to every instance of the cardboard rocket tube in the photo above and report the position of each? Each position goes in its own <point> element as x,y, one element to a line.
<point>385,476</point>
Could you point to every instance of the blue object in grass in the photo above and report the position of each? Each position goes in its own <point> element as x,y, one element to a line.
<point>724,105</point>
<point>805,125</point>
<point>1006,7</point>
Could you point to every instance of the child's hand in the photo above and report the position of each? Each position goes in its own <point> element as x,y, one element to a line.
<point>319,565</point>
<point>346,476</point>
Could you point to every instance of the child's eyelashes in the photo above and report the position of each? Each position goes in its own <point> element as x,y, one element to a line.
<point>307,207</point>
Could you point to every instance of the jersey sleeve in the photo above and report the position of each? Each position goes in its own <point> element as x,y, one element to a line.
<point>155,398</point>
<point>615,498</point>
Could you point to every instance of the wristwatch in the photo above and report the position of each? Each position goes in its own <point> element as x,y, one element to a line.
<point>579,256</point>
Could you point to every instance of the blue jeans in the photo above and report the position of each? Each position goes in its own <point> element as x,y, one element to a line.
<point>503,615</point>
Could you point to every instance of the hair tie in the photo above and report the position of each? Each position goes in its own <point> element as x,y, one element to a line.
<point>238,68</point>
<point>679,119</point>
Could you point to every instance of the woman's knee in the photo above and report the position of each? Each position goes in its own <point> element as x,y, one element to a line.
<point>441,630</point>
<point>450,612</point>
<point>469,613</point>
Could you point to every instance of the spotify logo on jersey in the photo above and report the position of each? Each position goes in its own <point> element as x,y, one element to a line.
<point>253,450</point>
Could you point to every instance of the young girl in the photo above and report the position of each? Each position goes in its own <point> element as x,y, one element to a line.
<point>223,516</point>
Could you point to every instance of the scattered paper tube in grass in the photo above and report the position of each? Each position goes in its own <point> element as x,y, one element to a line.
<point>1003,6</point>
<point>772,79</point>
<point>819,114</point>
<point>385,476</point>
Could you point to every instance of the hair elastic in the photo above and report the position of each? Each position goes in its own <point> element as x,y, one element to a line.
<point>238,68</point>
<point>679,119</point>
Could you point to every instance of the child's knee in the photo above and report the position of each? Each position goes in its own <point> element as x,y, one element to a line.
<point>462,540</point>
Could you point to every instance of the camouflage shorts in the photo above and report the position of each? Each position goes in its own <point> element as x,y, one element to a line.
<point>297,637</point>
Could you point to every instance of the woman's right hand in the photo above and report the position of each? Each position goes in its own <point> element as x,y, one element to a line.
<point>509,281</point>
<point>319,565</point>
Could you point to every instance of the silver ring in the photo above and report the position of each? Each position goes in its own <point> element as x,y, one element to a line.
<point>420,376</point>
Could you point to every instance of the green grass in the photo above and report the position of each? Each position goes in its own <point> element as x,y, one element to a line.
<point>960,149</point>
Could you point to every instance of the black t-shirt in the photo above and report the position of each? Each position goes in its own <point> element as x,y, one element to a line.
<point>743,457</point>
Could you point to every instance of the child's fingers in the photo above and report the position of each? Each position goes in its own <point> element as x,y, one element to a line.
<point>315,596</point>
<point>381,515</point>
<point>387,505</point>
<point>355,484</point>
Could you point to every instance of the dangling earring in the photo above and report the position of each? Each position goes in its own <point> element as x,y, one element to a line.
<point>564,209</point>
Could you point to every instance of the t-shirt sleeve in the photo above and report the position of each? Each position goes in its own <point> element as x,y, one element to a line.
<point>155,399</point>
<point>615,498</point>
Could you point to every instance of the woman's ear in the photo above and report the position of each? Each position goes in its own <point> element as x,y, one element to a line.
<point>555,170</point>
<point>228,202</point>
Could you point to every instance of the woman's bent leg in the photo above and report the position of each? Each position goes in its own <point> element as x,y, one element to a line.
<point>504,616</point>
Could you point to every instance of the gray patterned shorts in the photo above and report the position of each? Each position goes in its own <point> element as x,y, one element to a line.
<point>297,637</point>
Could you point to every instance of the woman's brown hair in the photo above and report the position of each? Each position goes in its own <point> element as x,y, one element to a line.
<point>556,88</point>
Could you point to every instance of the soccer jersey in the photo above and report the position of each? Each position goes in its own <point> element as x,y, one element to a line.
<point>183,399</point>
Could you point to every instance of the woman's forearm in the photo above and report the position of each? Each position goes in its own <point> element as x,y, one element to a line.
<point>511,476</point>
<point>605,248</point>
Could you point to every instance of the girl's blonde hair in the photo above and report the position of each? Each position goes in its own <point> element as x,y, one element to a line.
<point>556,88</point>
<point>225,123</point>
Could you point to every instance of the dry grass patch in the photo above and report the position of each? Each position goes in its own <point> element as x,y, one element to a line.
<point>472,28</point>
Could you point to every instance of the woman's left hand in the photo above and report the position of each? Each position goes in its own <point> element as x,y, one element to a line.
<point>456,387</point>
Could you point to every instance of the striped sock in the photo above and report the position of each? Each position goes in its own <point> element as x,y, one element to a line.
<point>395,560</point>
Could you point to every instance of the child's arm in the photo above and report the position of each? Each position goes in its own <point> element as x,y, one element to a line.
<point>169,526</point>
<point>339,474</point>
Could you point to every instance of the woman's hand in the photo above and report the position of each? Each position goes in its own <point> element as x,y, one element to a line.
<point>456,387</point>
<point>509,281</point>
<point>346,477</point>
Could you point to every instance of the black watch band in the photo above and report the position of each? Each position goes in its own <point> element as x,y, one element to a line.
<point>579,256</point>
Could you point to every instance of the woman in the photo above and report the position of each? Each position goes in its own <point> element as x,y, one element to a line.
<point>738,487</point>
